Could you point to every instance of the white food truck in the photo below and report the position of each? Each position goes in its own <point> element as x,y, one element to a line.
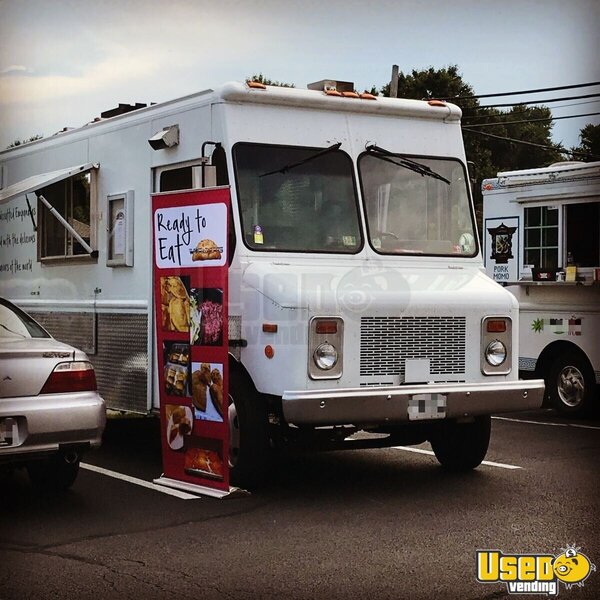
<point>542,240</point>
<point>357,294</point>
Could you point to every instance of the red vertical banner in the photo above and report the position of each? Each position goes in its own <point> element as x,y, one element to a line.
<point>190,299</point>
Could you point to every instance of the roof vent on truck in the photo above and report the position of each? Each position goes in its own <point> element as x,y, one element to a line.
<point>345,89</point>
<point>122,109</point>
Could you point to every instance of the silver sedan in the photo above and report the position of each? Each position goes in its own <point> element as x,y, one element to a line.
<point>50,411</point>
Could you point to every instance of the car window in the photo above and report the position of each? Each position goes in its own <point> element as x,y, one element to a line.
<point>15,323</point>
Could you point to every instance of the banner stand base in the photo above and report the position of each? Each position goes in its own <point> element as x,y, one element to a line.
<point>202,490</point>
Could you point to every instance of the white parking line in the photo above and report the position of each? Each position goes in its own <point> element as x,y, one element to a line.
<point>140,482</point>
<point>546,423</point>
<point>489,463</point>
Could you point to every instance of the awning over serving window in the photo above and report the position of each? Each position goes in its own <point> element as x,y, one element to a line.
<point>37,182</point>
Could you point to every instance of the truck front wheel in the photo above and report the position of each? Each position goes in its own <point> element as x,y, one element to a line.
<point>248,434</point>
<point>570,384</point>
<point>461,446</point>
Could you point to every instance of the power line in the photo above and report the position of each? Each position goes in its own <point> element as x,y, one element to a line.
<point>575,104</point>
<point>559,149</point>
<point>551,89</point>
<point>533,120</point>
<point>523,112</point>
<point>540,101</point>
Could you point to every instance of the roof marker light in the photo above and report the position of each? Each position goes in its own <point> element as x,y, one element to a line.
<point>256,85</point>
<point>436,103</point>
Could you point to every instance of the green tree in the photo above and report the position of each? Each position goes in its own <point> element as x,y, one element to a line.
<point>260,78</point>
<point>589,144</point>
<point>531,125</point>
<point>21,142</point>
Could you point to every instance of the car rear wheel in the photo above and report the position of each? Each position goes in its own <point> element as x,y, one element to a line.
<point>570,384</point>
<point>56,473</point>
<point>461,446</point>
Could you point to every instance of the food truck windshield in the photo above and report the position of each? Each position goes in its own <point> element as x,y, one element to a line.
<point>297,199</point>
<point>416,205</point>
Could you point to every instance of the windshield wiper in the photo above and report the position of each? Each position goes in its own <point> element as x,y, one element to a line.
<point>402,161</point>
<point>286,168</point>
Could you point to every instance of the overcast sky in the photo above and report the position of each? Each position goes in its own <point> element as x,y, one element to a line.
<point>62,62</point>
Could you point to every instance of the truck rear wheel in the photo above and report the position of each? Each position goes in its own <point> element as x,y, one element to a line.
<point>248,434</point>
<point>570,384</point>
<point>461,446</point>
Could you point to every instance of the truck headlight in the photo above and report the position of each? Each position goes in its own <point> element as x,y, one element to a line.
<point>495,353</point>
<point>325,356</point>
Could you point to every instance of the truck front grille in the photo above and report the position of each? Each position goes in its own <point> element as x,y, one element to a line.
<point>386,342</point>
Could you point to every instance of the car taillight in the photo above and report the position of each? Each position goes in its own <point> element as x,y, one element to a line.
<point>76,376</point>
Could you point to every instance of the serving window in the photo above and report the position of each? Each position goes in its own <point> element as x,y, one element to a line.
<point>582,230</point>
<point>558,236</point>
<point>74,198</point>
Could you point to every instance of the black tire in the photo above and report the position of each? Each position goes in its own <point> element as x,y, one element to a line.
<point>570,384</point>
<point>54,473</point>
<point>461,446</point>
<point>249,434</point>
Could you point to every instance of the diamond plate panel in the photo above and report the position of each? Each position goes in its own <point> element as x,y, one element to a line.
<point>386,342</point>
<point>122,361</point>
<point>76,329</point>
<point>121,353</point>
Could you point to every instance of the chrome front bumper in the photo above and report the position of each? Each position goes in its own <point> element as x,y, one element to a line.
<point>381,405</point>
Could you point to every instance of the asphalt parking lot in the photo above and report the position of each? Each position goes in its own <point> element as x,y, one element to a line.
<point>364,523</point>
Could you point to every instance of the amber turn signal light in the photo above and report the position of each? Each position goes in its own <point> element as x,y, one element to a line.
<point>329,327</point>
<point>496,326</point>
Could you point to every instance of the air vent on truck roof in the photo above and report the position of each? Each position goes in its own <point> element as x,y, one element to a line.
<point>121,110</point>
<point>326,85</point>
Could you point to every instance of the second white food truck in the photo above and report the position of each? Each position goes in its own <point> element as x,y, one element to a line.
<point>542,232</point>
<point>357,297</point>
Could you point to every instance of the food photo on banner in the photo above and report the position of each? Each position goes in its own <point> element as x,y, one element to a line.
<point>207,391</point>
<point>206,316</point>
<point>191,292</point>
<point>175,303</point>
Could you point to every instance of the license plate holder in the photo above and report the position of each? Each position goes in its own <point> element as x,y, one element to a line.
<point>9,432</point>
<point>427,407</point>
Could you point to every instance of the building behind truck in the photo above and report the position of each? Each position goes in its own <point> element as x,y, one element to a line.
<point>542,232</point>
<point>354,258</point>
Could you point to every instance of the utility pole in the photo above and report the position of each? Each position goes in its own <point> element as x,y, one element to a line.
<point>394,82</point>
